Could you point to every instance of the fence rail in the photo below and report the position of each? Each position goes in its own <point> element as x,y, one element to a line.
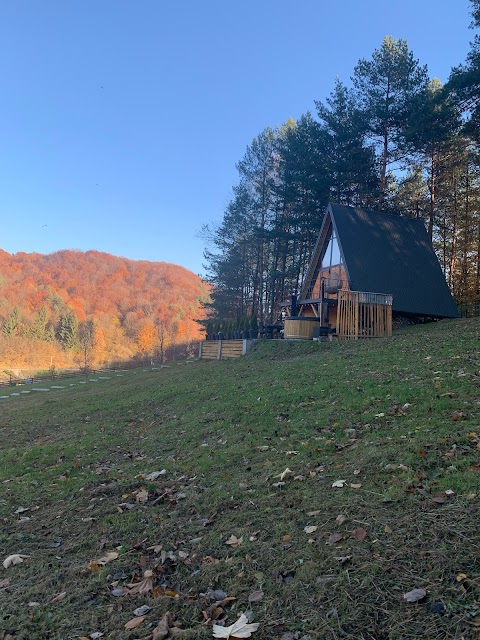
<point>469,309</point>
<point>221,349</point>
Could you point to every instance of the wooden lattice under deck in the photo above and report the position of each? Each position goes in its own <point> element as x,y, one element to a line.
<point>363,315</point>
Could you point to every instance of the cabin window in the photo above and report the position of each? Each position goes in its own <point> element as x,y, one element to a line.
<point>332,254</point>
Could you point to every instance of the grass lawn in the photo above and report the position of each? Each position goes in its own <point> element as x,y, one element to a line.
<point>250,449</point>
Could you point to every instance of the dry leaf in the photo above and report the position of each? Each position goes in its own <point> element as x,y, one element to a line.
<point>94,565</point>
<point>241,629</point>
<point>356,486</point>
<point>144,586</point>
<point>256,596</point>
<point>343,559</point>
<point>313,513</point>
<point>16,558</point>
<point>310,529</point>
<point>335,537</point>
<point>341,518</point>
<point>282,476</point>
<point>339,484</point>
<point>387,529</point>
<point>162,630</point>
<point>4,583</point>
<point>278,484</point>
<point>286,538</point>
<point>134,622</point>
<point>155,474</point>
<point>59,597</point>
<point>233,541</point>
<point>415,595</point>
<point>141,611</point>
<point>359,534</point>
<point>141,496</point>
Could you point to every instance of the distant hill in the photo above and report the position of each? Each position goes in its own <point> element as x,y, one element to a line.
<point>71,306</point>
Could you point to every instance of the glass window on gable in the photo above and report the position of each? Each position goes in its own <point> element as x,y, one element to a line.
<point>332,254</point>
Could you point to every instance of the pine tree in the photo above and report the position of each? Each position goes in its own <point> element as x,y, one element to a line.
<point>385,87</point>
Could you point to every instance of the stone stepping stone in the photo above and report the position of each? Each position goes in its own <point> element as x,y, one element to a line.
<point>14,394</point>
<point>104,377</point>
<point>82,382</point>
<point>25,392</point>
<point>93,380</point>
<point>40,389</point>
<point>4,397</point>
<point>57,386</point>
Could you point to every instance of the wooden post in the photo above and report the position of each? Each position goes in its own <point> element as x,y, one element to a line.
<point>200,350</point>
<point>219,350</point>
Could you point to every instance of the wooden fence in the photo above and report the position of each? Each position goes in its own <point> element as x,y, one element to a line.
<point>221,349</point>
<point>364,315</point>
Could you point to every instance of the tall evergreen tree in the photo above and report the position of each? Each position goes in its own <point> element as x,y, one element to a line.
<point>350,162</point>
<point>386,86</point>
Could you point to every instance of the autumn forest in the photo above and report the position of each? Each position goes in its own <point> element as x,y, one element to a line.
<point>71,309</point>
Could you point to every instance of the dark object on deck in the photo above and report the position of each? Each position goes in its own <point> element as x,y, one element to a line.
<point>294,308</point>
<point>322,332</point>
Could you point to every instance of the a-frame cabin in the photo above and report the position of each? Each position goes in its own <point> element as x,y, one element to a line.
<point>367,266</point>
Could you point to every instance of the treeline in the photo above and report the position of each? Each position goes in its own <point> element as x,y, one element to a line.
<point>80,309</point>
<point>395,140</point>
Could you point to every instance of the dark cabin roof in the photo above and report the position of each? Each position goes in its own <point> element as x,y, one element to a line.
<point>390,254</point>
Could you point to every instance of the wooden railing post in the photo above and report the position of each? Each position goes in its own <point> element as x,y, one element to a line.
<point>219,350</point>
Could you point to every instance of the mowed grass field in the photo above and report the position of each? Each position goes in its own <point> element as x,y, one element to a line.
<point>243,516</point>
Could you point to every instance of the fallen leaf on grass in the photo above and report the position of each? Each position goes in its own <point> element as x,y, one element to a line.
<point>335,537</point>
<point>141,496</point>
<point>341,518</point>
<point>59,597</point>
<point>387,529</point>
<point>359,534</point>
<point>256,596</point>
<point>144,586</point>
<point>155,474</point>
<point>4,583</point>
<point>134,622</point>
<point>240,629</point>
<point>16,558</point>
<point>356,486</point>
<point>141,611</point>
<point>21,510</point>
<point>162,630</point>
<point>233,541</point>
<point>284,474</point>
<point>94,565</point>
<point>415,595</point>
<point>339,484</point>
<point>310,529</point>
<point>343,559</point>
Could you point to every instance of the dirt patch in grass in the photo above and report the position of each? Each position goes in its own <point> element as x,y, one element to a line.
<point>161,469</point>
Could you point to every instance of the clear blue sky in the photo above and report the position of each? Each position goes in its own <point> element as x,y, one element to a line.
<point>121,120</point>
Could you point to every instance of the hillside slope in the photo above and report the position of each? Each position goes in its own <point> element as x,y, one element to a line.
<point>136,306</point>
<point>347,474</point>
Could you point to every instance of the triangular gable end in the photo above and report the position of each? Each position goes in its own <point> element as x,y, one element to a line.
<point>322,251</point>
<point>381,254</point>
